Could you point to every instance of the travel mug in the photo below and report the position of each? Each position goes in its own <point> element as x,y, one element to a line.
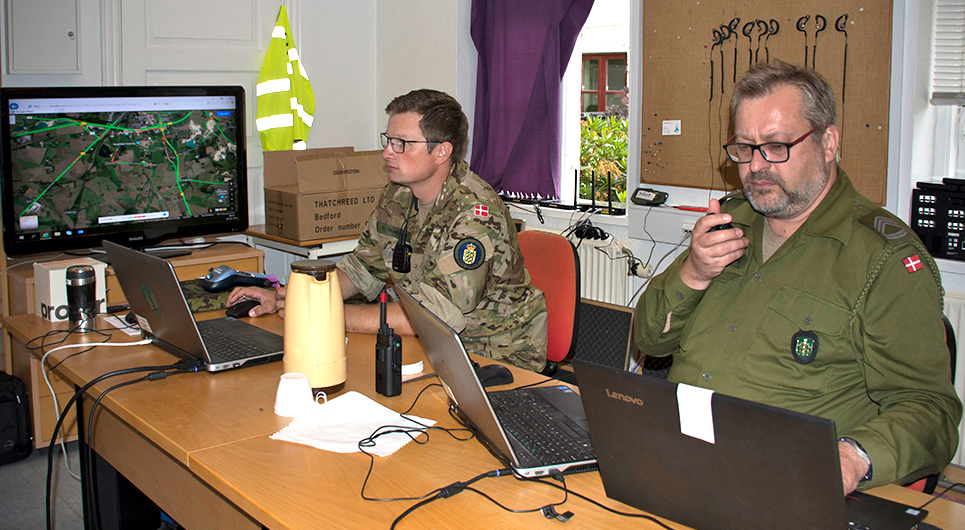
<point>81,297</point>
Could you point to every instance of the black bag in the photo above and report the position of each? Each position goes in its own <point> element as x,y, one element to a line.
<point>16,442</point>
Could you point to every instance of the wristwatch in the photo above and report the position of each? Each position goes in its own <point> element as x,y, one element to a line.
<point>860,452</point>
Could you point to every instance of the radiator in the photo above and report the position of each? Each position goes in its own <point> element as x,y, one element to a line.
<point>603,271</point>
<point>955,311</point>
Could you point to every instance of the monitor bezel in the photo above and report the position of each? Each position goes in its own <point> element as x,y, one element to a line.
<point>142,235</point>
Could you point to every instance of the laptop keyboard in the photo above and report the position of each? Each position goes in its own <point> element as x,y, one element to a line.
<point>550,435</point>
<point>225,346</point>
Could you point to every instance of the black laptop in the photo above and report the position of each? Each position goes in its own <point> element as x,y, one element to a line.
<point>711,461</point>
<point>535,431</point>
<point>154,293</point>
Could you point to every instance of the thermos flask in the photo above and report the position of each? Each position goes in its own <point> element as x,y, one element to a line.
<point>315,324</point>
<point>81,297</point>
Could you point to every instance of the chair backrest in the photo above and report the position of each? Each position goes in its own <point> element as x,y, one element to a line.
<point>604,334</point>
<point>950,341</point>
<point>554,268</point>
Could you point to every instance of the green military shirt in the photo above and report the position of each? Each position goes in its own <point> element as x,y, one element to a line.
<point>843,322</point>
<point>466,267</point>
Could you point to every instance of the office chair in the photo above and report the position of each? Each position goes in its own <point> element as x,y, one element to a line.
<point>928,484</point>
<point>554,268</point>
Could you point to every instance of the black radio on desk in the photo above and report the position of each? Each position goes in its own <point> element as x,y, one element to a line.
<point>938,217</point>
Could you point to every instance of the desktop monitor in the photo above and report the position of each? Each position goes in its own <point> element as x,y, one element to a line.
<point>133,165</point>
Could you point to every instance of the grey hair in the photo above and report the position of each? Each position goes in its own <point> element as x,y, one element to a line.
<point>763,79</point>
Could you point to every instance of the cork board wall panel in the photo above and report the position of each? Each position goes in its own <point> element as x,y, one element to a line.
<point>694,51</point>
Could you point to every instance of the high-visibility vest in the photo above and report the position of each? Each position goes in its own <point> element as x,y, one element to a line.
<point>284,95</point>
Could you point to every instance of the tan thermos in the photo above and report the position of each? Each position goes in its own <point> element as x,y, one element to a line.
<point>315,324</point>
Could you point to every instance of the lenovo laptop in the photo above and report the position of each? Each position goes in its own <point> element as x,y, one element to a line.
<point>707,460</point>
<point>154,293</point>
<point>535,431</point>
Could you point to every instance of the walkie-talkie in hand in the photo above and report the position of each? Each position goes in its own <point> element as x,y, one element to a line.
<point>388,356</point>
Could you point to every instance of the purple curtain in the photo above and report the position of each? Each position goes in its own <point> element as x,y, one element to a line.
<point>524,48</point>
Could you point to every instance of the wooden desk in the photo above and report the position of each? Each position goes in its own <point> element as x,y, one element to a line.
<point>19,362</point>
<point>198,446</point>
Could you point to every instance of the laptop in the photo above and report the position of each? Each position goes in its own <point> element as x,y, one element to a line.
<point>707,460</point>
<point>154,293</point>
<point>536,431</point>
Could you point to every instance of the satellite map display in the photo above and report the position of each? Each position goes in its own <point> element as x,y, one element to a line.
<point>78,171</point>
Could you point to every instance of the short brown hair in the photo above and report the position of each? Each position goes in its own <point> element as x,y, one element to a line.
<point>442,118</point>
<point>763,79</point>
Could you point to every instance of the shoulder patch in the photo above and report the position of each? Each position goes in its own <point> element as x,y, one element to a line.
<point>887,226</point>
<point>469,253</point>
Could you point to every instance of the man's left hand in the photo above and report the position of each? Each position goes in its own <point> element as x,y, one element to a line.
<point>853,467</point>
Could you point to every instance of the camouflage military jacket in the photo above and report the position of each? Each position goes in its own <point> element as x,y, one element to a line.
<point>466,267</point>
<point>843,322</point>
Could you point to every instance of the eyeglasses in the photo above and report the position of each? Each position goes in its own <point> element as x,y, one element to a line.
<point>773,152</point>
<point>398,144</point>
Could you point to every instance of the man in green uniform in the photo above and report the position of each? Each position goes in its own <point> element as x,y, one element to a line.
<point>815,299</point>
<point>460,256</point>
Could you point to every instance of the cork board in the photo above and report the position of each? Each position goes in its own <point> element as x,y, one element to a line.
<point>689,73</point>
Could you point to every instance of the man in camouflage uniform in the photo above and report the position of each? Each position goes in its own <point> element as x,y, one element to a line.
<point>815,299</point>
<point>464,263</point>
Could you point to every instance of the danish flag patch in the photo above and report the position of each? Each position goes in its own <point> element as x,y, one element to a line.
<point>912,263</point>
<point>481,210</point>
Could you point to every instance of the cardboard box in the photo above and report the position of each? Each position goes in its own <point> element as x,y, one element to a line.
<point>50,287</point>
<point>331,195</point>
<point>280,167</point>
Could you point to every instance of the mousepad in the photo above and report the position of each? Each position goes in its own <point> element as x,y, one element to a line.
<point>200,299</point>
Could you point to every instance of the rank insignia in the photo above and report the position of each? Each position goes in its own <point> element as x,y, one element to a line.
<point>804,346</point>
<point>469,253</point>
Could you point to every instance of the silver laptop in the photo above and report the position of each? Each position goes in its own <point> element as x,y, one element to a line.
<point>154,293</point>
<point>515,425</point>
<point>714,461</point>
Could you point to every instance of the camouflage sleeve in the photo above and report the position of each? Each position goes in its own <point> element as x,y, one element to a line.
<point>365,266</point>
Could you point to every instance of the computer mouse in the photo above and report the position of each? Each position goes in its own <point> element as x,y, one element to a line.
<point>241,309</point>
<point>494,374</point>
<point>130,318</point>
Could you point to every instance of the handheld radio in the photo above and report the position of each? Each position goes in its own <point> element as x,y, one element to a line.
<point>388,356</point>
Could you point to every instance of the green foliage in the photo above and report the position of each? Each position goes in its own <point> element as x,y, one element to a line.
<point>603,149</point>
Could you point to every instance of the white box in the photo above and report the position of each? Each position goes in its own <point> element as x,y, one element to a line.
<point>50,287</point>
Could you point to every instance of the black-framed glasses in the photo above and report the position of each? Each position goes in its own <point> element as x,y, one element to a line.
<point>773,152</point>
<point>398,144</point>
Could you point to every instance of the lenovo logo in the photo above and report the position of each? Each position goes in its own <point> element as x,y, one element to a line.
<point>623,397</point>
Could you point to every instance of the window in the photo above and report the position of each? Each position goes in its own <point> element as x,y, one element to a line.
<point>603,136</point>
<point>604,79</point>
<point>948,87</point>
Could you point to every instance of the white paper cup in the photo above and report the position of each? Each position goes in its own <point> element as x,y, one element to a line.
<point>294,396</point>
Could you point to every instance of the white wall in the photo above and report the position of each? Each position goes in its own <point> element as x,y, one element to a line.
<point>424,44</point>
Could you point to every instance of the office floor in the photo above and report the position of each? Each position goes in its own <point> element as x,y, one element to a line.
<point>23,483</point>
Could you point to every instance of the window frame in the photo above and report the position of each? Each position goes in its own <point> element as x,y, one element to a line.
<point>603,88</point>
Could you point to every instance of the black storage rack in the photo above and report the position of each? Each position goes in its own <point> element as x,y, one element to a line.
<point>938,217</point>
